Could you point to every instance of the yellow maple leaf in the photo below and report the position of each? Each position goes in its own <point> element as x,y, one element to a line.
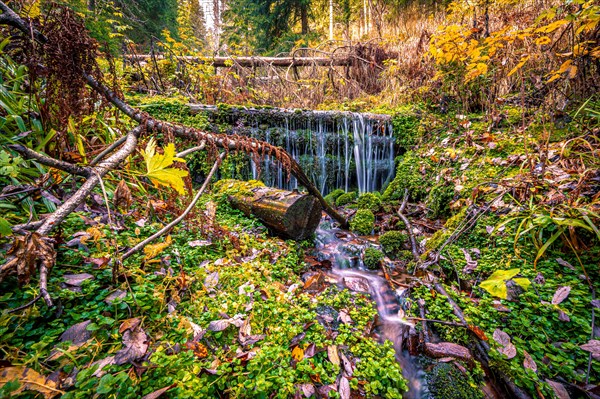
<point>157,167</point>
<point>298,353</point>
<point>153,250</point>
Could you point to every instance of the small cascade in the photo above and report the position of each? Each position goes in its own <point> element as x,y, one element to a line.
<point>346,150</point>
<point>344,250</point>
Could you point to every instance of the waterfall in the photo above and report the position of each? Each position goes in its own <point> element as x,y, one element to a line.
<point>346,150</point>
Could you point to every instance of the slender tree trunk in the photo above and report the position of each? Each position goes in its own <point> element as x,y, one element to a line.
<point>330,19</point>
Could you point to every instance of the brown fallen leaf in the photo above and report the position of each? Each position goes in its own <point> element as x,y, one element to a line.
<point>344,388</point>
<point>528,362</point>
<point>77,333</point>
<point>560,295</point>
<point>592,346</point>
<point>26,254</point>
<point>506,347</point>
<point>122,198</point>
<point>332,354</point>
<point>135,343</point>
<point>30,380</point>
<point>158,393</point>
<point>130,324</point>
<point>559,389</point>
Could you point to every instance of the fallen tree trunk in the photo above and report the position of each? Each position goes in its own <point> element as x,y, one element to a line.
<point>252,61</point>
<point>289,214</point>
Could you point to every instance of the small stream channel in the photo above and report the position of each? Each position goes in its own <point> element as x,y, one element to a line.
<point>343,249</point>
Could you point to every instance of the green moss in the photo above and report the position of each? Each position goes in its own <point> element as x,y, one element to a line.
<point>392,242</point>
<point>447,382</point>
<point>363,222</point>
<point>332,196</point>
<point>409,176</point>
<point>406,129</point>
<point>236,187</point>
<point>439,199</point>
<point>372,258</point>
<point>345,199</point>
<point>369,201</point>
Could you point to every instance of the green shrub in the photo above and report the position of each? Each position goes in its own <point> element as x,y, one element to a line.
<point>392,242</point>
<point>409,176</point>
<point>369,201</point>
<point>332,196</point>
<point>439,200</point>
<point>363,222</point>
<point>346,198</point>
<point>372,258</point>
<point>447,382</point>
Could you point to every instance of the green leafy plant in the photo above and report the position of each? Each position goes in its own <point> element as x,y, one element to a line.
<point>496,283</point>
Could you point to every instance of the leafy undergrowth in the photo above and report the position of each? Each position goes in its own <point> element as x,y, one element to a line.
<point>198,316</point>
<point>525,274</point>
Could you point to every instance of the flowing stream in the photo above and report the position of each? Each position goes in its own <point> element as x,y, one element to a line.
<point>344,250</point>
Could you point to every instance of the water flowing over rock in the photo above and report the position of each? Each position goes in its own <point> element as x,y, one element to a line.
<point>347,150</point>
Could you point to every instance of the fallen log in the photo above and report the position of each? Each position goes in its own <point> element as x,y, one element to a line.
<point>289,214</point>
<point>250,62</point>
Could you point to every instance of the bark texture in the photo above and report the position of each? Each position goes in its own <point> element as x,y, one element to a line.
<point>289,214</point>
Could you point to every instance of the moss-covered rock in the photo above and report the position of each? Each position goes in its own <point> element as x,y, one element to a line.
<point>439,200</point>
<point>372,258</point>
<point>363,222</point>
<point>412,173</point>
<point>346,198</point>
<point>393,242</point>
<point>369,201</point>
<point>446,381</point>
<point>334,195</point>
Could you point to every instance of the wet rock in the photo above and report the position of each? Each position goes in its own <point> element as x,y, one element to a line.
<point>448,349</point>
<point>328,317</point>
<point>356,284</point>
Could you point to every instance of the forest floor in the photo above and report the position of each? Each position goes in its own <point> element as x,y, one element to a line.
<point>221,308</point>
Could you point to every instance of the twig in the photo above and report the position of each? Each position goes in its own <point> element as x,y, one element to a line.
<point>421,303</point>
<point>176,221</point>
<point>28,304</point>
<point>86,188</point>
<point>447,323</point>
<point>51,162</point>
<point>413,241</point>
<point>108,150</point>
<point>189,151</point>
<point>589,366</point>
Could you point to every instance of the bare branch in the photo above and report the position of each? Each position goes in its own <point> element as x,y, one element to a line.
<point>51,162</point>
<point>176,221</point>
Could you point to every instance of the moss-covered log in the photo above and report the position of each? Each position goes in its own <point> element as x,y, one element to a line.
<point>289,214</point>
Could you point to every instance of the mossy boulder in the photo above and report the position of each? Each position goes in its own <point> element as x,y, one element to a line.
<point>332,196</point>
<point>412,173</point>
<point>439,200</point>
<point>446,381</point>
<point>346,198</point>
<point>393,242</point>
<point>372,258</point>
<point>369,201</point>
<point>363,222</point>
